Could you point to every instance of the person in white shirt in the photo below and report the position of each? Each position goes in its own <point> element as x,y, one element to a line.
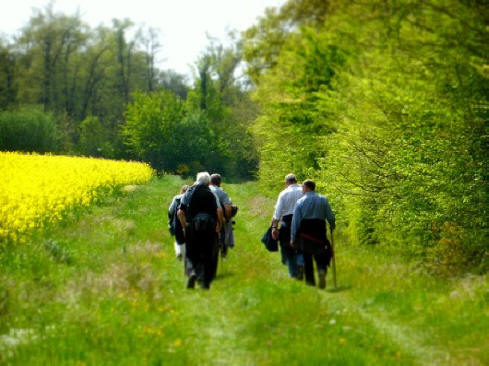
<point>284,209</point>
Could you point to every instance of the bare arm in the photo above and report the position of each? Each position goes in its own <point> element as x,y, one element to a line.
<point>275,229</point>
<point>276,217</point>
<point>228,211</point>
<point>183,219</point>
<point>220,219</point>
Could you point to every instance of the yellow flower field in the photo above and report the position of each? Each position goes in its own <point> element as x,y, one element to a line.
<point>39,189</point>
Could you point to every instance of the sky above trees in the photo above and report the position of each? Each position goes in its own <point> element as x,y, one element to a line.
<point>182,24</point>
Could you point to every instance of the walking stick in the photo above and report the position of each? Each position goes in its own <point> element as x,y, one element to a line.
<point>334,259</point>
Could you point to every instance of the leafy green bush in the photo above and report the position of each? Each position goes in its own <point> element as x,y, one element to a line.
<point>28,129</point>
<point>94,138</point>
<point>387,107</point>
<point>161,131</point>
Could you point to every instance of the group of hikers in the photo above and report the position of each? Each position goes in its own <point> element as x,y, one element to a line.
<point>302,215</point>
<point>201,219</point>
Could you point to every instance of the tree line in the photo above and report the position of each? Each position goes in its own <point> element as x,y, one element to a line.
<point>68,88</point>
<point>386,105</point>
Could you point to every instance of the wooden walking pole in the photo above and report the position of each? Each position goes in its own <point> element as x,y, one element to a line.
<point>334,259</point>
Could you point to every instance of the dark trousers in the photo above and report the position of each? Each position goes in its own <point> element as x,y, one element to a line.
<point>289,254</point>
<point>321,259</point>
<point>201,256</point>
<point>314,243</point>
<point>214,261</point>
<point>222,242</point>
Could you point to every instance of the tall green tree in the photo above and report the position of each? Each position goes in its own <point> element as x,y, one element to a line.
<point>73,71</point>
<point>8,87</point>
<point>161,130</point>
<point>92,82</point>
<point>47,64</point>
<point>385,104</point>
<point>226,103</point>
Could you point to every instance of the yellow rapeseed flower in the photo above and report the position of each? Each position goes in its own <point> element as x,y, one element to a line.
<point>38,189</point>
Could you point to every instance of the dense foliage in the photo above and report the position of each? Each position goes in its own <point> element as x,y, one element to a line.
<point>226,105</point>
<point>85,79</point>
<point>208,130</point>
<point>28,129</point>
<point>160,130</point>
<point>386,105</point>
<point>58,63</point>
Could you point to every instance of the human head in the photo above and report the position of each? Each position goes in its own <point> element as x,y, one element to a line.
<point>290,179</point>
<point>308,185</point>
<point>216,179</point>
<point>203,177</point>
<point>183,189</point>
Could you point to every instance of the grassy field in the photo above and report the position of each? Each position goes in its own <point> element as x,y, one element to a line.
<point>105,289</point>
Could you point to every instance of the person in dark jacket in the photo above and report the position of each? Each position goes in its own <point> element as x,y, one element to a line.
<point>309,232</point>
<point>201,217</point>
<point>174,225</point>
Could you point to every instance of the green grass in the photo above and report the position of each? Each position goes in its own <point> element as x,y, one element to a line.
<point>105,289</point>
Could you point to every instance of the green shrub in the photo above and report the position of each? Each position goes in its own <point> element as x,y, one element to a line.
<point>389,113</point>
<point>28,129</point>
<point>94,138</point>
<point>162,131</point>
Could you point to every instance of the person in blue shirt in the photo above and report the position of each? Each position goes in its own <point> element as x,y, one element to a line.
<point>308,233</point>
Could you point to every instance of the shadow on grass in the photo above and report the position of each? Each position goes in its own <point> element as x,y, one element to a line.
<point>339,289</point>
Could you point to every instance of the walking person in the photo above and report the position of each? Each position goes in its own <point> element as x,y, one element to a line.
<point>174,225</point>
<point>284,210</point>
<point>201,217</point>
<point>226,236</point>
<point>309,232</point>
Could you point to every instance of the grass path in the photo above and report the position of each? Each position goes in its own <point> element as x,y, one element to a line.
<point>106,289</point>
